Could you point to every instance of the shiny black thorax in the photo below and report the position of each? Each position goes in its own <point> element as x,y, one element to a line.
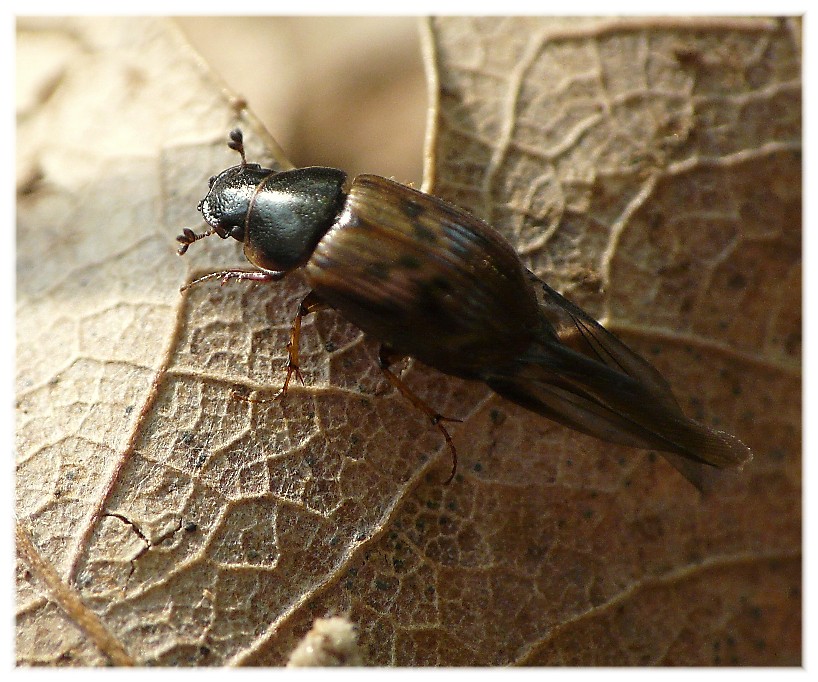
<point>279,216</point>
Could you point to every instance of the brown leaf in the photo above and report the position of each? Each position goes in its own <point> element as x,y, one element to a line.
<point>650,169</point>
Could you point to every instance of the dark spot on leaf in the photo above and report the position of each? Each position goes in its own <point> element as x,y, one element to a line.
<point>688,57</point>
<point>792,344</point>
<point>777,454</point>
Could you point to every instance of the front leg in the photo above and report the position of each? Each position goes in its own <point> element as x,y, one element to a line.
<point>226,275</point>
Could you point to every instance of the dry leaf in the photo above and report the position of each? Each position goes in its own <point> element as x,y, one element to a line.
<point>650,169</point>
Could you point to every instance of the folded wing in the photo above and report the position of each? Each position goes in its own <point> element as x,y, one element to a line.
<point>579,374</point>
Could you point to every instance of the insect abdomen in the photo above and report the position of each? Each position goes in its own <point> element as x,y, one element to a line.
<point>424,277</point>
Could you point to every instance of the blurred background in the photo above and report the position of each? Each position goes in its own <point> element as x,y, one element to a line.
<point>347,92</point>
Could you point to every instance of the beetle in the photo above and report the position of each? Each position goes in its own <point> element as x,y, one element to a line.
<point>430,281</point>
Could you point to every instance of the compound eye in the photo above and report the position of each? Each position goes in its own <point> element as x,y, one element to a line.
<point>237,232</point>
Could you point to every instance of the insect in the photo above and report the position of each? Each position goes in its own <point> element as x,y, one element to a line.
<point>430,281</point>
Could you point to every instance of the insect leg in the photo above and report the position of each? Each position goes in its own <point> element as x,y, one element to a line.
<point>226,275</point>
<point>387,357</point>
<point>310,304</point>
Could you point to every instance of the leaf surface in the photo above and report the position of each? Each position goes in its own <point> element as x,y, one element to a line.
<point>648,169</point>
